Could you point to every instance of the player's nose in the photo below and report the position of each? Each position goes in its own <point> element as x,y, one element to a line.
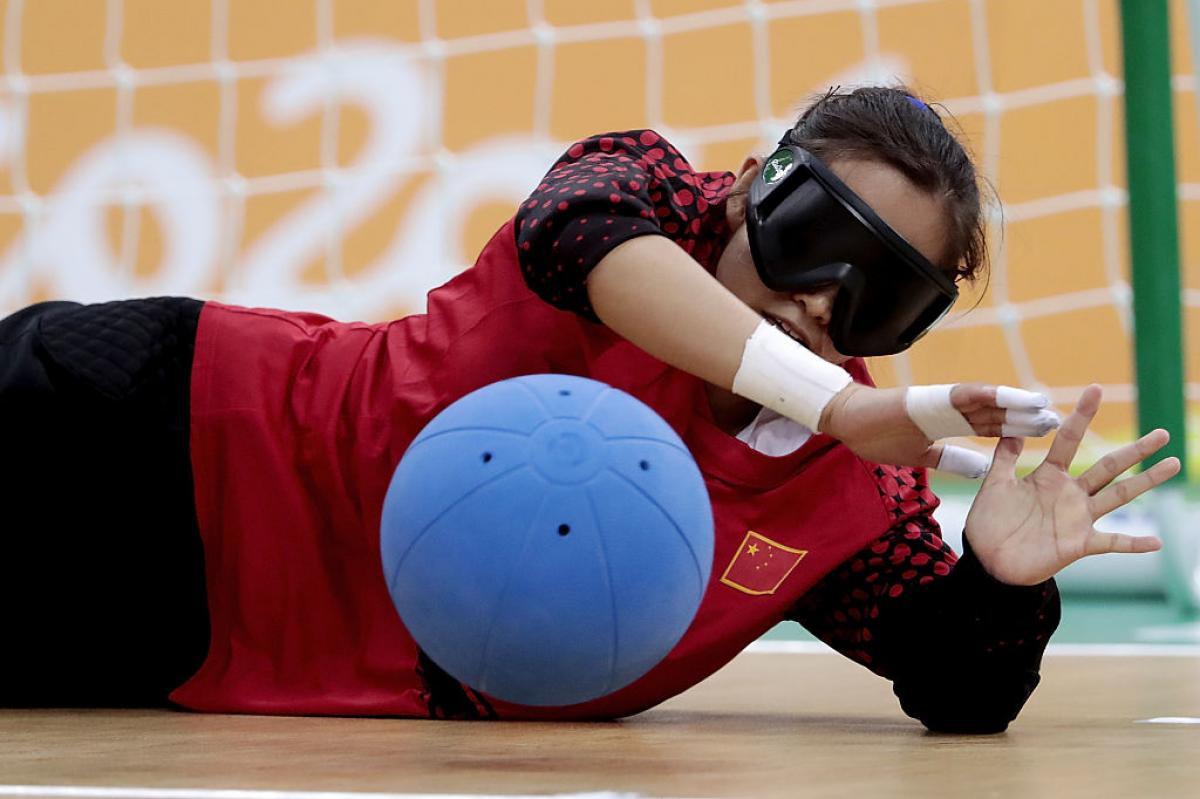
<point>817,303</point>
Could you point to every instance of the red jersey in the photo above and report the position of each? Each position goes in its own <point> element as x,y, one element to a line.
<point>298,422</point>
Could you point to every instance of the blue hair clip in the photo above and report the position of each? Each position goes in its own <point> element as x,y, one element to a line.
<point>918,103</point>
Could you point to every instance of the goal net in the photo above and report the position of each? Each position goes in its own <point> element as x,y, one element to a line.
<point>344,156</point>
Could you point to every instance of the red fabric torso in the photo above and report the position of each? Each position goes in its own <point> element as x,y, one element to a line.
<point>299,421</point>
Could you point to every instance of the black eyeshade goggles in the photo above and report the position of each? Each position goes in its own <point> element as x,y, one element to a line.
<point>808,229</point>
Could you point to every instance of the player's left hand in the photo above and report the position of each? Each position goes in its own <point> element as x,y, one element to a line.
<point>1026,530</point>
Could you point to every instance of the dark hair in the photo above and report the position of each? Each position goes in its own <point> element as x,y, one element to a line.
<point>893,125</point>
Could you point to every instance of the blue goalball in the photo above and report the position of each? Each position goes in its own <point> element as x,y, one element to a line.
<point>547,539</point>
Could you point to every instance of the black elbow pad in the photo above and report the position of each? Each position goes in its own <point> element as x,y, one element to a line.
<point>982,708</point>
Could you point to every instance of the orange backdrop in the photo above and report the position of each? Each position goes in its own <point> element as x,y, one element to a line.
<point>346,155</point>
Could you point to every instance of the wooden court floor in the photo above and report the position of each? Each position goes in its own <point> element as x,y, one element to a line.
<point>768,725</point>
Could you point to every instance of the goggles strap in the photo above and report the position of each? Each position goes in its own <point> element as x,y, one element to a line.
<point>780,374</point>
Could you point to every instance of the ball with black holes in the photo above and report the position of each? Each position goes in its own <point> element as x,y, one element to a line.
<point>547,539</point>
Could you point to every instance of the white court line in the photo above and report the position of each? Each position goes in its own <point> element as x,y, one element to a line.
<point>85,792</point>
<point>1169,720</point>
<point>1074,650</point>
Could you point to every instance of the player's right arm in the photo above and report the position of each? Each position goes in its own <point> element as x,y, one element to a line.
<point>610,234</point>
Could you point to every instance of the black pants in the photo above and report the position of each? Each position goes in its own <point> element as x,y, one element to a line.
<point>102,596</point>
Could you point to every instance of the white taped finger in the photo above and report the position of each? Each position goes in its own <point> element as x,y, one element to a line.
<point>1023,423</point>
<point>1023,431</point>
<point>1015,416</point>
<point>1009,397</point>
<point>931,410</point>
<point>963,461</point>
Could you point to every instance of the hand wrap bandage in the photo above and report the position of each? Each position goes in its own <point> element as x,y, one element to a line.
<point>777,372</point>
<point>1025,414</point>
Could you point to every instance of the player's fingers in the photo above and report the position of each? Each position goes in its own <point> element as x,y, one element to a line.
<point>1104,543</point>
<point>1004,460</point>
<point>1008,422</point>
<point>1105,470</point>
<point>965,409</point>
<point>1020,399</point>
<point>967,397</point>
<point>930,458</point>
<point>1012,431</point>
<point>963,461</point>
<point>1070,434</point>
<point>1030,423</point>
<point>986,415</point>
<point>990,430</point>
<point>1121,492</point>
<point>931,409</point>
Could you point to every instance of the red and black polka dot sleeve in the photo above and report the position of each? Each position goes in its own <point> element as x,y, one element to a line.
<point>961,648</point>
<point>604,191</point>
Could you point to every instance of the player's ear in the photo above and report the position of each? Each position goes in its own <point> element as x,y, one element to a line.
<point>735,205</point>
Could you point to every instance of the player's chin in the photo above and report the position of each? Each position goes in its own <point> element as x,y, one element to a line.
<point>826,352</point>
<point>829,353</point>
<point>821,345</point>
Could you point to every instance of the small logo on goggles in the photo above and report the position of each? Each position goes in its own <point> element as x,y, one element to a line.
<point>777,166</point>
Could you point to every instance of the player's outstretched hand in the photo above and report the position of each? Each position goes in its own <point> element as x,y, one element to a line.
<point>1026,530</point>
<point>901,425</point>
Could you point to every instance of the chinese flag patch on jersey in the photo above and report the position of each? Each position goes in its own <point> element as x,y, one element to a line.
<point>761,565</point>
